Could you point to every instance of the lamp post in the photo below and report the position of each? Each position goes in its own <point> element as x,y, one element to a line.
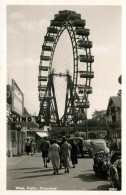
<point>86,124</point>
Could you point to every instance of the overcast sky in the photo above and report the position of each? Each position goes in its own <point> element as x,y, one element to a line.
<point>26,28</point>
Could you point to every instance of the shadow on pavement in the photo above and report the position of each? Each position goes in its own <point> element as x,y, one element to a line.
<point>33,176</point>
<point>43,170</point>
<point>80,157</point>
<point>19,155</point>
<point>103,187</point>
<point>89,177</point>
<point>91,170</point>
<point>26,168</point>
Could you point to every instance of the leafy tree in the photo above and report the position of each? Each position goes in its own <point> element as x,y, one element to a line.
<point>99,115</point>
<point>98,120</point>
<point>114,125</point>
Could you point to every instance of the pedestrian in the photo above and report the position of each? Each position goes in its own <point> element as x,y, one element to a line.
<point>65,153</point>
<point>33,146</point>
<point>28,146</point>
<point>45,150</point>
<point>74,152</point>
<point>54,156</point>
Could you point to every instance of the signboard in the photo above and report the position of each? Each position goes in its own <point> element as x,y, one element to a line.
<point>17,99</point>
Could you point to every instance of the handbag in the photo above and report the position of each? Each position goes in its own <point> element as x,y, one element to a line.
<point>48,159</point>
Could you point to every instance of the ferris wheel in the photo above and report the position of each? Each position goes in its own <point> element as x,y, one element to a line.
<point>78,83</point>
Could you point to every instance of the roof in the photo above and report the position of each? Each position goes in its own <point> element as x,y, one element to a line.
<point>116,100</point>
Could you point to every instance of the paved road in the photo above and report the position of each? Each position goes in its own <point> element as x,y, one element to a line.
<point>28,173</point>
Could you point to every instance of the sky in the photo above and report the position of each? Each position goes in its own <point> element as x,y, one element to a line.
<point>26,28</point>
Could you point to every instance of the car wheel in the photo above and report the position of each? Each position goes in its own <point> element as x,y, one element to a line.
<point>90,155</point>
<point>83,154</point>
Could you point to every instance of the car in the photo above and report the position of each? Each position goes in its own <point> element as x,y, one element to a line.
<point>98,145</point>
<point>87,147</point>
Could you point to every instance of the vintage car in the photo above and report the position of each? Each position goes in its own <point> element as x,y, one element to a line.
<point>98,145</point>
<point>87,147</point>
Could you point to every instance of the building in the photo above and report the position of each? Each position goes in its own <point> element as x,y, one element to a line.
<point>113,112</point>
<point>16,129</point>
<point>113,116</point>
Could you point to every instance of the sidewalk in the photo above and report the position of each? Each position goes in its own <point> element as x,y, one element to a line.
<point>21,171</point>
<point>16,159</point>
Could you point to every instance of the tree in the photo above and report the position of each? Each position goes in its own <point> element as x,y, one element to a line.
<point>114,125</point>
<point>98,120</point>
<point>99,115</point>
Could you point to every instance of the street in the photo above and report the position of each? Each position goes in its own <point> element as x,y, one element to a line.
<point>28,173</point>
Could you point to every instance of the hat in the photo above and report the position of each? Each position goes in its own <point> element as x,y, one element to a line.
<point>64,138</point>
<point>54,141</point>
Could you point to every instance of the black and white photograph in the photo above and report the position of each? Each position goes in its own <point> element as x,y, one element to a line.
<point>63,101</point>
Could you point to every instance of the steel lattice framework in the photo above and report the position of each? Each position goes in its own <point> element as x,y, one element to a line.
<point>76,102</point>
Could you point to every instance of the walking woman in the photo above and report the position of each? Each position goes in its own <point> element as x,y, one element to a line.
<point>54,156</point>
<point>74,152</point>
<point>65,153</point>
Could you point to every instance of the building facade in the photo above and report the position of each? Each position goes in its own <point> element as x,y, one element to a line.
<point>18,125</point>
<point>113,117</point>
<point>16,134</point>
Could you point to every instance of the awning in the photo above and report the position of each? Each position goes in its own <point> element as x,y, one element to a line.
<point>42,134</point>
